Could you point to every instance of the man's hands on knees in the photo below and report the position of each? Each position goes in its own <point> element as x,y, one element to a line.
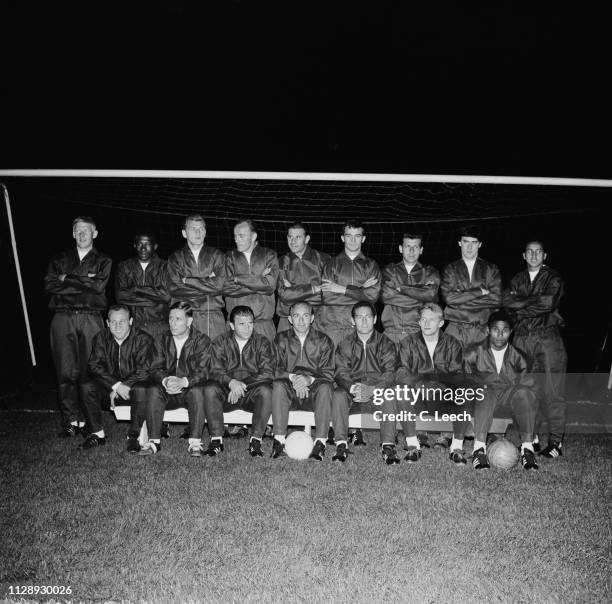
<point>237,391</point>
<point>174,385</point>
<point>301,384</point>
<point>361,393</point>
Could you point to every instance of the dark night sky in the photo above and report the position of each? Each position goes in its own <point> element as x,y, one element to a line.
<point>340,86</point>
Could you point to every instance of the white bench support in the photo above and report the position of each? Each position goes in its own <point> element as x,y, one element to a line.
<point>301,418</point>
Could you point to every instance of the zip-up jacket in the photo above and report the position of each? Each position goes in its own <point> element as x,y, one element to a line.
<point>314,359</point>
<point>128,362</point>
<point>245,283</point>
<point>415,363</point>
<point>202,291</point>
<point>336,309</point>
<point>372,363</point>
<point>194,363</point>
<point>404,294</point>
<point>463,297</point>
<point>535,305</point>
<point>480,363</point>
<point>144,291</point>
<point>303,273</point>
<point>78,291</point>
<point>255,364</point>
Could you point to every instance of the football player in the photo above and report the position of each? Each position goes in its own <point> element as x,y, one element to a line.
<point>196,275</point>
<point>533,300</point>
<point>141,283</point>
<point>431,364</point>
<point>365,361</point>
<point>299,279</point>
<point>348,277</point>
<point>304,378</point>
<point>242,374</point>
<point>76,280</point>
<point>507,388</point>
<point>252,274</point>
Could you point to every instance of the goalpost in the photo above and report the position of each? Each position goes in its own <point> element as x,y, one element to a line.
<point>387,204</point>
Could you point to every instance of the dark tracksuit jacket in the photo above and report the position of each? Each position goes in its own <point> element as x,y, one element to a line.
<point>463,297</point>
<point>202,291</point>
<point>314,359</point>
<point>404,294</point>
<point>302,273</point>
<point>336,310</point>
<point>245,285</point>
<point>144,291</point>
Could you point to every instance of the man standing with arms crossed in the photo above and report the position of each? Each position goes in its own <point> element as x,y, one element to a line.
<point>348,278</point>
<point>141,283</point>
<point>196,275</point>
<point>252,273</point>
<point>407,285</point>
<point>533,300</point>
<point>299,279</point>
<point>76,280</point>
<point>472,290</point>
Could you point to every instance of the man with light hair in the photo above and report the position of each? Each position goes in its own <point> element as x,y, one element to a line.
<point>76,280</point>
<point>196,274</point>
<point>431,364</point>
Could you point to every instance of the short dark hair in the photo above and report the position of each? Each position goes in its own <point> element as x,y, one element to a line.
<point>248,221</point>
<point>535,241</point>
<point>194,218</point>
<point>353,224</point>
<point>363,304</point>
<point>86,219</point>
<point>148,234</point>
<point>300,225</point>
<point>303,303</point>
<point>500,315</point>
<point>413,236</point>
<point>184,306</point>
<point>241,311</point>
<point>119,307</point>
<point>469,230</point>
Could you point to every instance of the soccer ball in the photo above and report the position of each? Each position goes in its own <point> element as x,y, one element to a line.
<point>298,445</point>
<point>502,454</point>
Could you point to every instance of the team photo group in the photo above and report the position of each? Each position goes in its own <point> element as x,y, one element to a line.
<point>273,331</point>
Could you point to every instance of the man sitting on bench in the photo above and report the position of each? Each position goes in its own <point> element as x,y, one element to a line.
<point>509,390</point>
<point>180,368</point>
<point>431,364</point>
<point>243,369</point>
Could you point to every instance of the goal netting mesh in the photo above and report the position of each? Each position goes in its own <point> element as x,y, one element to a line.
<point>571,220</point>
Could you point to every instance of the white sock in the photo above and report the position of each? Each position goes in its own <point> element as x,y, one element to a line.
<point>219,438</point>
<point>75,424</point>
<point>413,441</point>
<point>478,444</point>
<point>341,442</point>
<point>99,434</point>
<point>255,438</point>
<point>195,441</point>
<point>536,440</point>
<point>280,439</point>
<point>155,440</point>
<point>526,445</point>
<point>388,445</point>
<point>456,444</point>
<point>321,440</point>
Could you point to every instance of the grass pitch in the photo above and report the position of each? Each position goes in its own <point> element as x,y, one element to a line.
<point>234,529</point>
